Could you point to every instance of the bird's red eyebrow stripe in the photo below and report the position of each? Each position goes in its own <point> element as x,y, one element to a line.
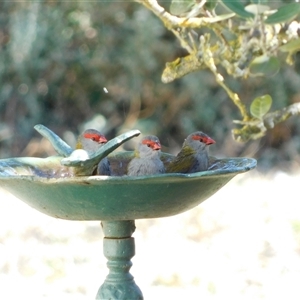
<point>153,145</point>
<point>97,137</point>
<point>206,139</point>
<point>145,142</point>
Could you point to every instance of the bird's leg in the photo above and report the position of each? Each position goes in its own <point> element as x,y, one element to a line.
<point>119,248</point>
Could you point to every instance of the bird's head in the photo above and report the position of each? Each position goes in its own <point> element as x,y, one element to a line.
<point>90,140</point>
<point>198,140</point>
<point>149,146</point>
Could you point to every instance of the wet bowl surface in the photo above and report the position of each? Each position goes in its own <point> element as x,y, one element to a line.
<point>48,187</point>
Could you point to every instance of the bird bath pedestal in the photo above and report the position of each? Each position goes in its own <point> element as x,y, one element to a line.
<point>119,248</point>
<point>116,201</point>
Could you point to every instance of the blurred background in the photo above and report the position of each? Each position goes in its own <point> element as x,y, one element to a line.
<point>73,65</point>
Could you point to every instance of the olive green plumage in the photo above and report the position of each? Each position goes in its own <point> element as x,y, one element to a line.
<point>193,156</point>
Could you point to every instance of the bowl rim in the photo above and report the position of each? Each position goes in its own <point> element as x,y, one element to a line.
<point>248,164</point>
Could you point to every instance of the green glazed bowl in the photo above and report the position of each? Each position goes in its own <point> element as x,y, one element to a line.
<point>48,187</point>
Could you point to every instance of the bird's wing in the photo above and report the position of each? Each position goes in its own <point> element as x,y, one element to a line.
<point>183,162</point>
<point>104,167</point>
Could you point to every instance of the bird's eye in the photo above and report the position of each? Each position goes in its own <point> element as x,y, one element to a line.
<point>93,139</point>
<point>148,145</point>
<point>201,140</point>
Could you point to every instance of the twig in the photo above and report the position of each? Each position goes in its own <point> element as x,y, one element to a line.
<point>278,116</point>
<point>256,128</point>
<point>208,59</point>
<point>181,66</point>
<point>171,21</point>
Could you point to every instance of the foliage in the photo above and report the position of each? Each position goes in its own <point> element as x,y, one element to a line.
<point>260,106</point>
<point>246,42</point>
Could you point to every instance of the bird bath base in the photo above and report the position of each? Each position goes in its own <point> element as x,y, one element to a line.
<point>116,201</point>
<point>119,248</point>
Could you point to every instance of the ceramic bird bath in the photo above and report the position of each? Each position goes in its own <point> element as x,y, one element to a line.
<point>50,187</point>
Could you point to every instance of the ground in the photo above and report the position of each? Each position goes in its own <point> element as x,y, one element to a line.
<point>242,243</point>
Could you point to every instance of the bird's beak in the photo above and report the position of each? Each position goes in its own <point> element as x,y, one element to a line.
<point>210,141</point>
<point>156,146</point>
<point>102,140</point>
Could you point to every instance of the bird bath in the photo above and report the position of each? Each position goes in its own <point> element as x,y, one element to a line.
<point>116,201</point>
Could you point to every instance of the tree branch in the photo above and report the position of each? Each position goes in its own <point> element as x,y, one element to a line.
<point>256,128</point>
<point>245,41</point>
<point>208,59</point>
<point>181,67</point>
<point>278,116</point>
<point>171,21</point>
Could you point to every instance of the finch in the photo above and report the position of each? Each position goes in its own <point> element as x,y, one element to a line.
<point>90,141</point>
<point>147,158</point>
<point>193,156</point>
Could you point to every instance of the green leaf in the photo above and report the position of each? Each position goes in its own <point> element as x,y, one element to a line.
<point>179,7</point>
<point>264,66</point>
<point>238,8</point>
<point>285,13</point>
<point>210,4</point>
<point>218,18</point>
<point>257,9</point>
<point>260,106</point>
<point>291,46</point>
<point>259,1</point>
